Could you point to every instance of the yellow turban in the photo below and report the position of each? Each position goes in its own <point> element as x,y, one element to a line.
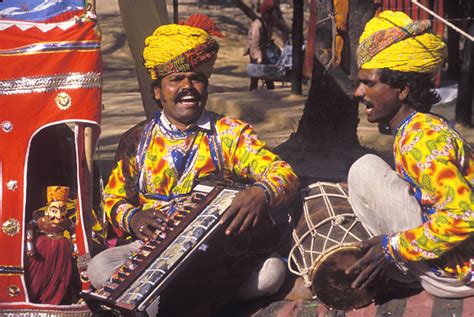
<point>393,40</point>
<point>177,48</point>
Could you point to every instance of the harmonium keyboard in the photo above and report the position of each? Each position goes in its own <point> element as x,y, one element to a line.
<point>135,288</point>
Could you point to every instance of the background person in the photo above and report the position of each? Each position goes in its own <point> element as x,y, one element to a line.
<point>259,37</point>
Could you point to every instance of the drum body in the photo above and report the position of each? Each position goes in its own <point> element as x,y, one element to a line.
<point>326,240</point>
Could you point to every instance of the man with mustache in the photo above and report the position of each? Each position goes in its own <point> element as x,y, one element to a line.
<point>422,213</point>
<point>160,161</point>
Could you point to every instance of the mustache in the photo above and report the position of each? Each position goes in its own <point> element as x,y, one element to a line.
<point>365,102</point>
<point>188,92</point>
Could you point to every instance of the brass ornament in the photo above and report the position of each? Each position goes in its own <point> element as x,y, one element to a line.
<point>84,277</point>
<point>12,185</point>
<point>11,227</point>
<point>63,101</point>
<point>13,290</point>
<point>7,126</point>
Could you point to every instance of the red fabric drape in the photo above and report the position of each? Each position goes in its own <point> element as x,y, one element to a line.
<point>50,270</point>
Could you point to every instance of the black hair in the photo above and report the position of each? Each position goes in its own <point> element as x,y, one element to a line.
<point>422,94</point>
<point>156,83</point>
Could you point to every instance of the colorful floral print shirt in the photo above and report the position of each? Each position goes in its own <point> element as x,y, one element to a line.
<point>156,163</point>
<point>439,165</point>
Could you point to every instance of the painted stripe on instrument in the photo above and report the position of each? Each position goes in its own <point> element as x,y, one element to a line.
<point>395,308</point>
<point>420,305</point>
<point>447,307</point>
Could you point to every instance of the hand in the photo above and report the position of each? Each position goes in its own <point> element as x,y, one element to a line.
<point>148,224</point>
<point>246,210</point>
<point>371,265</point>
<point>259,60</point>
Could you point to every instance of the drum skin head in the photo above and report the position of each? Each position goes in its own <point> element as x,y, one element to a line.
<point>332,286</point>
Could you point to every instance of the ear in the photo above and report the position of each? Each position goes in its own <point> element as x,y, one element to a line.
<point>156,92</point>
<point>404,93</point>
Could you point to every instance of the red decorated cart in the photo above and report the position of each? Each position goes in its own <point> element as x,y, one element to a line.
<point>50,107</point>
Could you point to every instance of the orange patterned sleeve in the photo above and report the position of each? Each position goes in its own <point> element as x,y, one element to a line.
<point>121,192</point>
<point>250,159</point>
<point>435,160</point>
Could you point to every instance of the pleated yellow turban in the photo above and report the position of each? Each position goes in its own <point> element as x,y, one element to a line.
<point>175,48</point>
<point>393,40</point>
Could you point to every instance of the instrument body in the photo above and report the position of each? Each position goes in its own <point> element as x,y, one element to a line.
<point>326,243</point>
<point>135,289</point>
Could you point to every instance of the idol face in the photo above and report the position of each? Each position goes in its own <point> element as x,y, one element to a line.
<point>56,211</point>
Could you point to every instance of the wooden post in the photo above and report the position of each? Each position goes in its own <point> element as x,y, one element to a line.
<point>310,39</point>
<point>454,62</point>
<point>90,135</point>
<point>175,11</point>
<point>466,82</point>
<point>297,58</point>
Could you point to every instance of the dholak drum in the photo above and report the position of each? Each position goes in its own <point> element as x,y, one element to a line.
<point>325,245</point>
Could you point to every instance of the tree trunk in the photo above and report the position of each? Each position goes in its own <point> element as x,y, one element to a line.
<point>245,9</point>
<point>139,22</point>
<point>279,24</point>
<point>330,114</point>
<point>466,82</point>
<point>297,57</point>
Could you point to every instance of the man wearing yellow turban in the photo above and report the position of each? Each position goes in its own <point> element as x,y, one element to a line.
<point>421,214</point>
<point>160,161</point>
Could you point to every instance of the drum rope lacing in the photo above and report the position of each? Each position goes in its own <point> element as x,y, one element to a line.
<point>305,269</point>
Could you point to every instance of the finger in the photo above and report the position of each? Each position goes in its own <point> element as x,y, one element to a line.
<point>357,266</point>
<point>154,227</point>
<point>140,233</point>
<point>375,273</point>
<point>256,220</point>
<point>367,244</point>
<point>149,233</point>
<point>367,275</point>
<point>246,224</point>
<point>229,213</point>
<point>160,234</point>
<point>236,222</point>
<point>361,278</point>
<point>160,217</point>
<point>156,224</point>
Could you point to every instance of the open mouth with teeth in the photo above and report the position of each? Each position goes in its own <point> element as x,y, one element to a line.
<point>188,100</point>
<point>369,106</point>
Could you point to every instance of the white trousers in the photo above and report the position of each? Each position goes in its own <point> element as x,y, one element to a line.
<point>266,279</point>
<point>383,202</point>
